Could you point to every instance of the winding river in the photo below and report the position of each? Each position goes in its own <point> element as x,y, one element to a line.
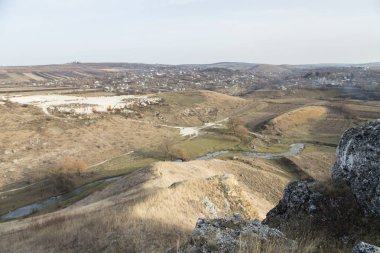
<point>41,205</point>
<point>295,149</point>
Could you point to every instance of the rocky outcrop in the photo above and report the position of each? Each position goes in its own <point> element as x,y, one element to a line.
<point>205,112</point>
<point>299,199</point>
<point>348,206</point>
<point>334,210</point>
<point>304,203</point>
<point>231,234</point>
<point>358,164</point>
<point>365,248</point>
<point>355,185</point>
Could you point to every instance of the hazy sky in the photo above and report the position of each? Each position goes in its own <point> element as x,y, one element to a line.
<point>189,31</point>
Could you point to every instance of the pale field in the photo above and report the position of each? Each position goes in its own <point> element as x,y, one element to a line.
<point>33,76</point>
<point>81,105</point>
<point>17,77</point>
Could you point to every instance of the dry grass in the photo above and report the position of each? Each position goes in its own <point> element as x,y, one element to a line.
<point>69,165</point>
<point>176,103</point>
<point>316,163</point>
<point>159,205</point>
<point>154,218</point>
<point>250,243</point>
<point>300,118</point>
<point>30,133</point>
<point>27,134</point>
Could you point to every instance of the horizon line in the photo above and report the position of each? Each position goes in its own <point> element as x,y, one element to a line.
<point>184,64</point>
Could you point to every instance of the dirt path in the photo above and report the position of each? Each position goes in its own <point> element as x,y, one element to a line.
<point>107,160</point>
<point>187,131</point>
<point>24,187</point>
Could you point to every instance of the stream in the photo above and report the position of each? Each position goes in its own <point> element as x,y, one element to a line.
<point>295,149</point>
<point>40,205</point>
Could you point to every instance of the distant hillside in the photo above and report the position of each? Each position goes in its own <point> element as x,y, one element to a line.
<point>233,78</point>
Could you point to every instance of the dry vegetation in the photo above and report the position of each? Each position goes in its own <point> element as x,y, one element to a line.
<point>66,171</point>
<point>172,152</point>
<point>237,128</point>
<point>198,101</point>
<point>71,165</point>
<point>27,133</point>
<point>316,163</point>
<point>297,121</point>
<point>159,205</point>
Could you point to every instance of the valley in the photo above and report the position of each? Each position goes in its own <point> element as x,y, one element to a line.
<point>146,165</point>
<point>149,147</point>
<point>189,126</point>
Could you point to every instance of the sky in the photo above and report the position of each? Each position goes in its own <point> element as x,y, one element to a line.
<point>36,32</point>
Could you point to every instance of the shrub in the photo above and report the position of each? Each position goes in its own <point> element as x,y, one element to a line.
<point>71,165</point>
<point>237,127</point>
<point>179,153</point>
<point>165,148</point>
<point>234,122</point>
<point>65,172</point>
<point>242,133</point>
<point>171,152</point>
<point>64,182</point>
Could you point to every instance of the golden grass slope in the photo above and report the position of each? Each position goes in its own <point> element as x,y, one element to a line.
<point>151,209</point>
<point>297,120</point>
<point>316,164</point>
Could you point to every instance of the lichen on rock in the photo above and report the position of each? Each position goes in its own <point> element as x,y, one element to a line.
<point>358,164</point>
<point>232,234</point>
<point>363,247</point>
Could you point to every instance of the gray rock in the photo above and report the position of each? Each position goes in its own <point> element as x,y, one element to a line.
<point>358,164</point>
<point>299,199</point>
<point>211,209</point>
<point>205,112</point>
<point>343,207</point>
<point>228,234</point>
<point>365,248</point>
<point>319,205</point>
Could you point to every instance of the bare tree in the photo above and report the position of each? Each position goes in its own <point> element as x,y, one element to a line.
<point>237,127</point>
